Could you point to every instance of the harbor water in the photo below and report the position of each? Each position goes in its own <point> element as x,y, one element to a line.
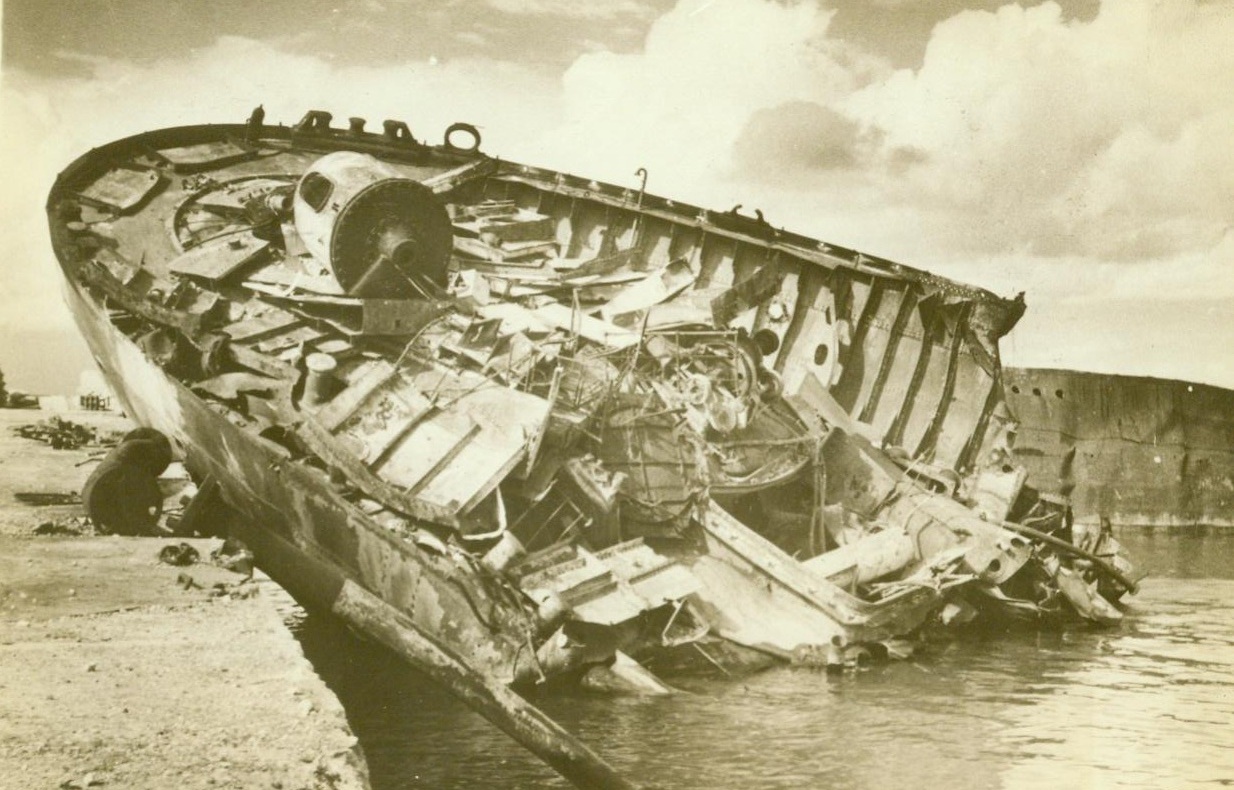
<point>1149,704</point>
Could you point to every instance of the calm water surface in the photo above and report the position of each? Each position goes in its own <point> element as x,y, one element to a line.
<point>1147,705</point>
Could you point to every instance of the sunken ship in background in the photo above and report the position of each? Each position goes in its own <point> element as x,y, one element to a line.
<point>557,426</point>
<point>1129,450</point>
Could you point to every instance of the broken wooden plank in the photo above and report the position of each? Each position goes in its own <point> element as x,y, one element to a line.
<point>514,359</point>
<point>385,418</point>
<point>521,226</point>
<point>479,466</point>
<point>269,322</point>
<point>488,208</point>
<point>451,179</point>
<point>249,358</point>
<point>454,444</point>
<point>529,253</point>
<point>495,421</point>
<point>515,318</point>
<point>291,274</point>
<point>323,444</point>
<point>294,336</point>
<point>594,329</point>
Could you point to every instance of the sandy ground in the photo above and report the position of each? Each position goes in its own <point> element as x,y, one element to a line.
<point>119,671</point>
<point>29,466</point>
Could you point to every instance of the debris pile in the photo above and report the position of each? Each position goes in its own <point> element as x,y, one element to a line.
<point>60,433</point>
<point>518,425</point>
<point>613,435</point>
<point>70,526</point>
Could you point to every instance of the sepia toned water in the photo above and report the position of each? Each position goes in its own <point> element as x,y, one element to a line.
<point>1147,705</point>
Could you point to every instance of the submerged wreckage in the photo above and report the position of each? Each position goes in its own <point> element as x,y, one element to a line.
<point>534,426</point>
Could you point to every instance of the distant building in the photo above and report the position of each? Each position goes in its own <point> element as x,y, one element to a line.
<point>93,394</point>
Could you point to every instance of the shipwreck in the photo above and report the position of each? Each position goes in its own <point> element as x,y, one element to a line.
<point>524,427</point>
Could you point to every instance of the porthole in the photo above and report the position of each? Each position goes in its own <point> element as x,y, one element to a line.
<point>820,354</point>
<point>315,190</point>
<point>768,342</point>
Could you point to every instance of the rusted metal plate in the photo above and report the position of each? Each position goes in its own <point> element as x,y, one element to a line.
<point>396,316</point>
<point>750,292</point>
<point>655,578</point>
<point>506,419</point>
<point>388,414</point>
<point>122,189</point>
<point>269,321</point>
<point>203,156</point>
<point>217,259</point>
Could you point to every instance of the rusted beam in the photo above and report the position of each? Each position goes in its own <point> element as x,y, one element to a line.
<point>973,445</point>
<point>944,402</point>
<point>895,434</point>
<point>516,717</point>
<point>849,385</point>
<point>809,283</point>
<point>908,303</point>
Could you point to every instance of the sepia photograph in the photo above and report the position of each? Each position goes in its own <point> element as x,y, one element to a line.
<point>621,394</point>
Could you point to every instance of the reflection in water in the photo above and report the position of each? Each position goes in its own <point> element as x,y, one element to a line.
<point>1146,705</point>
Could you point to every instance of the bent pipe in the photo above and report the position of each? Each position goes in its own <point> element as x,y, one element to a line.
<point>1075,551</point>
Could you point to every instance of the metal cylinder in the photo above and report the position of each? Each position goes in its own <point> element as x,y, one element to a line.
<point>320,383</point>
<point>377,231</point>
<point>505,551</point>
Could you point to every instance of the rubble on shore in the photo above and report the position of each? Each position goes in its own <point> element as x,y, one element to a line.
<point>121,671</point>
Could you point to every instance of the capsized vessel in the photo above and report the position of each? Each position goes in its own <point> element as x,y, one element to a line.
<point>556,428</point>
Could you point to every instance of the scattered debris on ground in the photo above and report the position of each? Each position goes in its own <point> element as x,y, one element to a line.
<point>60,433</point>
<point>179,554</point>
<point>71,525</point>
<point>45,499</point>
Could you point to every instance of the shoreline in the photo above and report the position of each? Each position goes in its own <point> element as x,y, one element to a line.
<point>119,671</point>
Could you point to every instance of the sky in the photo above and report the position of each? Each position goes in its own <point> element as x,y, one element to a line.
<point>1078,151</point>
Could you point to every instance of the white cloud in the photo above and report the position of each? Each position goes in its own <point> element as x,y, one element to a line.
<point>1105,138</point>
<point>679,104</point>
<point>609,9</point>
<point>1085,162</point>
<point>472,37</point>
<point>48,122</point>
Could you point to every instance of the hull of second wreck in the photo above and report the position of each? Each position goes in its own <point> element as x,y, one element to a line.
<point>1133,450</point>
<point>303,534</point>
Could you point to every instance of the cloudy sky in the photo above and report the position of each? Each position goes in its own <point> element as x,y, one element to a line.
<point>1078,150</point>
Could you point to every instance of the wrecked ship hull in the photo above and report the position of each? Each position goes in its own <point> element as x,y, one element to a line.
<point>301,532</point>
<point>541,424</point>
